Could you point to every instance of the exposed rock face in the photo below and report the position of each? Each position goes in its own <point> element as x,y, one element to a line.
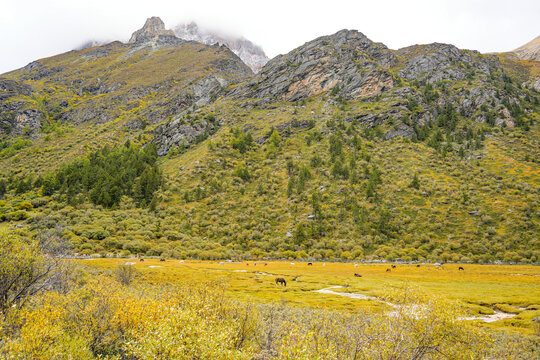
<point>181,133</point>
<point>535,85</point>
<point>346,62</point>
<point>16,117</point>
<point>11,88</point>
<point>436,62</point>
<point>401,130</point>
<point>529,51</point>
<point>152,29</point>
<point>251,54</point>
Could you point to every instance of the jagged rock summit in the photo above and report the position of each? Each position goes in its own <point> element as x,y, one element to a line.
<point>529,51</point>
<point>326,63</point>
<point>153,28</point>
<point>251,54</point>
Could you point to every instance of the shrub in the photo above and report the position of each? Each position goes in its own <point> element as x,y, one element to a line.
<point>124,274</point>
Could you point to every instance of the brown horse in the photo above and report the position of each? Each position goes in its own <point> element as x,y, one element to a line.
<point>141,259</point>
<point>388,270</point>
<point>281,281</point>
<point>357,275</point>
<point>461,268</point>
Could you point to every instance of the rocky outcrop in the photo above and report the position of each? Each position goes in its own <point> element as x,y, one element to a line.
<point>346,63</point>
<point>536,85</point>
<point>16,116</point>
<point>11,88</point>
<point>153,29</point>
<point>181,133</point>
<point>437,62</point>
<point>400,130</point>
<point>251,54</point>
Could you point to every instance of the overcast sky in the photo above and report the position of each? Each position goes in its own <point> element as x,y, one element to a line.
<point>33,29</point>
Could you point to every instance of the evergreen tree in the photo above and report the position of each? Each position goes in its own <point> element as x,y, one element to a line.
<point>106,175</point>
<point>415,183</point>
<point>3,187</point>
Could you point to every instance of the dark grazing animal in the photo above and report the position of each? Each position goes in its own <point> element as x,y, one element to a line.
<point>281,281</point>
<point>393,266</point>
<point>162,259</point>
<point>461,268</point>
<point>141,260</point>
<point>388,270</point>
<point>418,265</point>
<point>357,275</point>
<point>310,263</point>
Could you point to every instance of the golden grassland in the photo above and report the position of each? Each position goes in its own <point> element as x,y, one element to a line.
<point>478,288</point>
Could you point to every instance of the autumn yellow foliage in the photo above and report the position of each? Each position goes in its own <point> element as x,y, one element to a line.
<point>103,319</point>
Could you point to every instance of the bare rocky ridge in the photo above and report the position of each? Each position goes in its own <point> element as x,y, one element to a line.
<point>251,54</point>
<point>529,51</point>
<point>437,62</point>
<point>351,66</point>
<point>346,61</point>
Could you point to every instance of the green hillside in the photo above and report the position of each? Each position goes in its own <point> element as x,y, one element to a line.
<point>427,153</point>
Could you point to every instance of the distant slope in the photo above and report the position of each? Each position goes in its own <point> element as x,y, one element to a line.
<point>251,54</point>
<point>529,51</point>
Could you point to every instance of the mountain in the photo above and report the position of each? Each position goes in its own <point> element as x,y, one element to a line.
<point>324,64</point>
<point>340,149</point>
<point>350,66</point>
<point>529,51</point>
<point>154,76</point>
<point>251,54</point>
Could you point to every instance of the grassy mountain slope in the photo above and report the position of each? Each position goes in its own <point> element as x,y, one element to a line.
<point>425,153</point>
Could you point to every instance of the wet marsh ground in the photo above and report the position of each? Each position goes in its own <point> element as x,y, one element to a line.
<point>480,289</point>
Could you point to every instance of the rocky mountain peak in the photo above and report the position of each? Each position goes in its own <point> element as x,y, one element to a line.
<point>252,55</point>
<point>326,63</point>
<point>152,29</point>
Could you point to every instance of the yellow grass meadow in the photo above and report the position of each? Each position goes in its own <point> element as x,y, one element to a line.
<point>480,289</point>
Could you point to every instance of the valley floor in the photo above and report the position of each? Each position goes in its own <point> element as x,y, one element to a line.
<point>502,296</point>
